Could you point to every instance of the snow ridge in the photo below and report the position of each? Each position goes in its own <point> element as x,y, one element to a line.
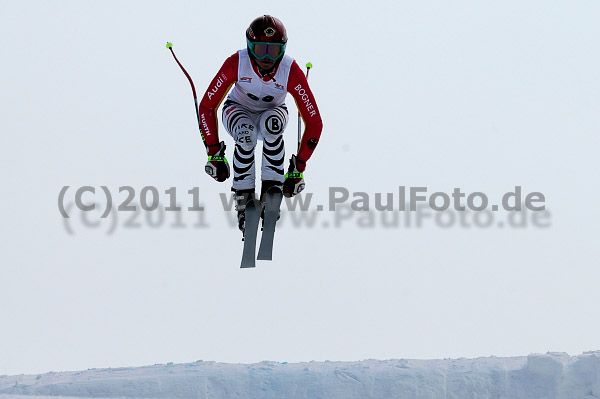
<point>549,376</point>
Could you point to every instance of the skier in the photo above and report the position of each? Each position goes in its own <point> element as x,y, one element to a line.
<point>255,110</point>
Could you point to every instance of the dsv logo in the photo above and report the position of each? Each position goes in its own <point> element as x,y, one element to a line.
<point>273,125</point>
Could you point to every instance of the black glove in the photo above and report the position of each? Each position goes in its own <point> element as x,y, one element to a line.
<point>217,166</point>
<point>294,178</point>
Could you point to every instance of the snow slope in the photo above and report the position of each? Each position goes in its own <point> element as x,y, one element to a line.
<point>549,376</point>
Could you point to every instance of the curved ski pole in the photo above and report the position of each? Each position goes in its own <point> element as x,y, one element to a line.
<point>187,75</point>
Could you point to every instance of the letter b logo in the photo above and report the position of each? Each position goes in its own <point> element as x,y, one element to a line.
<point>273,125</point>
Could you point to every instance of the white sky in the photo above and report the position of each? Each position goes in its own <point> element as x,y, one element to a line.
<point>478,95</point>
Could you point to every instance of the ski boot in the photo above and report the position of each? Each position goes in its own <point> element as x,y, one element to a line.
<point>242,197</point>
<point>269,186</point>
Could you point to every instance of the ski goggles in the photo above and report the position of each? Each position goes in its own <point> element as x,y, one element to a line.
<point>262,50</point>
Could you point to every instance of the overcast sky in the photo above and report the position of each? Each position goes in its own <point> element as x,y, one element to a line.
<point>477,95</point>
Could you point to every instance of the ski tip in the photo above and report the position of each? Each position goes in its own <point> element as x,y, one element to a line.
<point>169,44</point>
<point>309,65</point>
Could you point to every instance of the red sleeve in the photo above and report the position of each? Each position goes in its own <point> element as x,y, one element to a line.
<point>305,101</point>
<point>213,96</point>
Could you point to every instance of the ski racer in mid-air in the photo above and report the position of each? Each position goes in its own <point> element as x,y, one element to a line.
<point>255,110</point>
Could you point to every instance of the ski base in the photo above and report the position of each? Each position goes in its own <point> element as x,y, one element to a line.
<point>272,205</point>
<point>252,213</point>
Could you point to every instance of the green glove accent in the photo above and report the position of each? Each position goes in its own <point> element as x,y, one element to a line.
<point>294,175</point>
<point>217,158</point>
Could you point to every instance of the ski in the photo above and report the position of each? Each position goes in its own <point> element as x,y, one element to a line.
<point>250,232</point>
<point>272,204</point>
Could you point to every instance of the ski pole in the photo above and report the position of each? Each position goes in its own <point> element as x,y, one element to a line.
<point>170,47</point>
<point>308,66</point>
